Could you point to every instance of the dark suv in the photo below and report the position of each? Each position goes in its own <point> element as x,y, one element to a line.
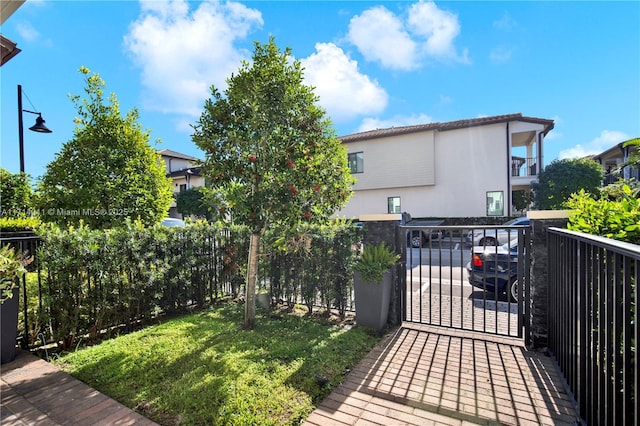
<point>495,269</point>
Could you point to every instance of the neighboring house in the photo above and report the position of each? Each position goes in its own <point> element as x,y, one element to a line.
<point>613,158</point>
<point>466,168</point>
<point>184,173</point>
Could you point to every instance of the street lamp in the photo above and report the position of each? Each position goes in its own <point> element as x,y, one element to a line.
<point>38,127</point>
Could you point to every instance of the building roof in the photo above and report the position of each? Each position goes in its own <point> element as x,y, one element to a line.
<point>616,151</point>
<point>8,48</point>
<point>174,154</point>
<point>193,171</point>
<point>7,7</point>
<point>450,125</point>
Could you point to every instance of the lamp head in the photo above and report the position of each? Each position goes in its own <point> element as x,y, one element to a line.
<point>39,126</point>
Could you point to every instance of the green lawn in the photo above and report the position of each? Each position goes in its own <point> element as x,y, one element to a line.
<point>205,369</point>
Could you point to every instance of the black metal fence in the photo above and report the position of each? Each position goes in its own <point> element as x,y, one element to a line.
<point>437,289</point>
<point>593,323</point>
<point>77,286</point>
<point>27,245</point>
<point>91,283</point>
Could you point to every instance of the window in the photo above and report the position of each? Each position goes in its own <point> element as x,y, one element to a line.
<point>356,162</point>
<point>183,187</point>
<point>495,203</point>
<point>393,204</point>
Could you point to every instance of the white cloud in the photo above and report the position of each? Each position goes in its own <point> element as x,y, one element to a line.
<point>380,36</point>
<point>445,99</point>
<point>344,92</point>
<point>26,31</point>
<point>604,141</point>
<point>396,121</point>
<point>555,134</point>
<point>500,55</point>
<point>182,53</point>
<point>438,27</point>
<point>505,23</point>
<point>403,42</point>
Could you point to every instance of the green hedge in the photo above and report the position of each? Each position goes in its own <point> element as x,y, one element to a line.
<point>98,279</point>
<point>12,224</point>
<point>312,264</point>
<point>616,217</point>
<point>97,282</point>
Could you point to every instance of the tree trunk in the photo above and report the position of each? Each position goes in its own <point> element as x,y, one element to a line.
<point>252,278</point>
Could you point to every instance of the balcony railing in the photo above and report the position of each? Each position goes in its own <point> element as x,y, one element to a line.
<point>524,166</point>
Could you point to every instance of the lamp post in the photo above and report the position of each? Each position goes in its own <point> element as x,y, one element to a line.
<point>38,127</point>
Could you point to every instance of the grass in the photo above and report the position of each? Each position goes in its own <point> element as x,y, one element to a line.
<point>205,369</point>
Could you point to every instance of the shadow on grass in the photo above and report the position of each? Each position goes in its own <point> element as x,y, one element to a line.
<point>204,368</point>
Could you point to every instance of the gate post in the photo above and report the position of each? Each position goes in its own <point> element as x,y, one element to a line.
<point>538,333</point>
<point>380,228</point>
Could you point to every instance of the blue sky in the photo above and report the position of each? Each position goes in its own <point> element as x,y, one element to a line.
<point>374,64</point>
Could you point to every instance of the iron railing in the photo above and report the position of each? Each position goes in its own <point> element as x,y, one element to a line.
<point>437,289</point>
<point>38,312</point>
<point>196,273</point>
<point>524,166</point>
<point>27,244</point>
<point>593,323</point>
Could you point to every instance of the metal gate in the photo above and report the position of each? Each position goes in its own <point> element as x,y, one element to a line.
<point>467,277</point>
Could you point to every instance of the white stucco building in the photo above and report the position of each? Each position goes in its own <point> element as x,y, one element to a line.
<point>184,173</point>
<point>465,168</point>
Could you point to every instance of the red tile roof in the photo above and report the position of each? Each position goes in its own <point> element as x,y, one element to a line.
<point>450,125</point>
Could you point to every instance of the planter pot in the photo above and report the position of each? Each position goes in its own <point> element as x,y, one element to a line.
<point>372,301</point>
<point>9,327</point>
<point>263,300</point>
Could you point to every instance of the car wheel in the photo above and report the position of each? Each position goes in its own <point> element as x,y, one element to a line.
<point>416,239</point>
<point>513,290</point>
<point>488,241</point>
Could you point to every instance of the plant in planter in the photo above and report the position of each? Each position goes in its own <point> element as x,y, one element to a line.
<point>372,282</point>
<point>12,268</point>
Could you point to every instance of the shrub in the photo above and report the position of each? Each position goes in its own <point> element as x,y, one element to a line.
<point>12,267</point>
<point>617,219</point>
<point>12,224</point>
<point>375,261</point>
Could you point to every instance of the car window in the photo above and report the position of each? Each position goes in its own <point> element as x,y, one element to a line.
<point>173,222</point>
<point>518,221</point>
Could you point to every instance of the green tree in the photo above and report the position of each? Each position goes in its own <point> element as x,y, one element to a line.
<point>192,202</point>
<point>634,156</point>
<point>521,199</point>
<point>561,178</point>
<point>15,193</point>
<point>272,157</point>
<point>108,171</point>
<point>621,189</point>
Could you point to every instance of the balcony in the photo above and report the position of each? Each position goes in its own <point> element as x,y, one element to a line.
<point>524,167</point>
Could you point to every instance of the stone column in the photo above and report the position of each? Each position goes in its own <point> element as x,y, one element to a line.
<point>380,228</point>
<point>539,272</point>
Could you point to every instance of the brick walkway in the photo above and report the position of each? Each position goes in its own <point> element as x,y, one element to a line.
<point>35,392</point>
<point>421,376</point>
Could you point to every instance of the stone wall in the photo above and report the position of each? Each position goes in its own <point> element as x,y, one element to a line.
<point>539,312</point>
<point>375,232</point>
<point>466,221</point>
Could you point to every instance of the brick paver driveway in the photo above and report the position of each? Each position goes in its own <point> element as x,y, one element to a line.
<point>452,302</point>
